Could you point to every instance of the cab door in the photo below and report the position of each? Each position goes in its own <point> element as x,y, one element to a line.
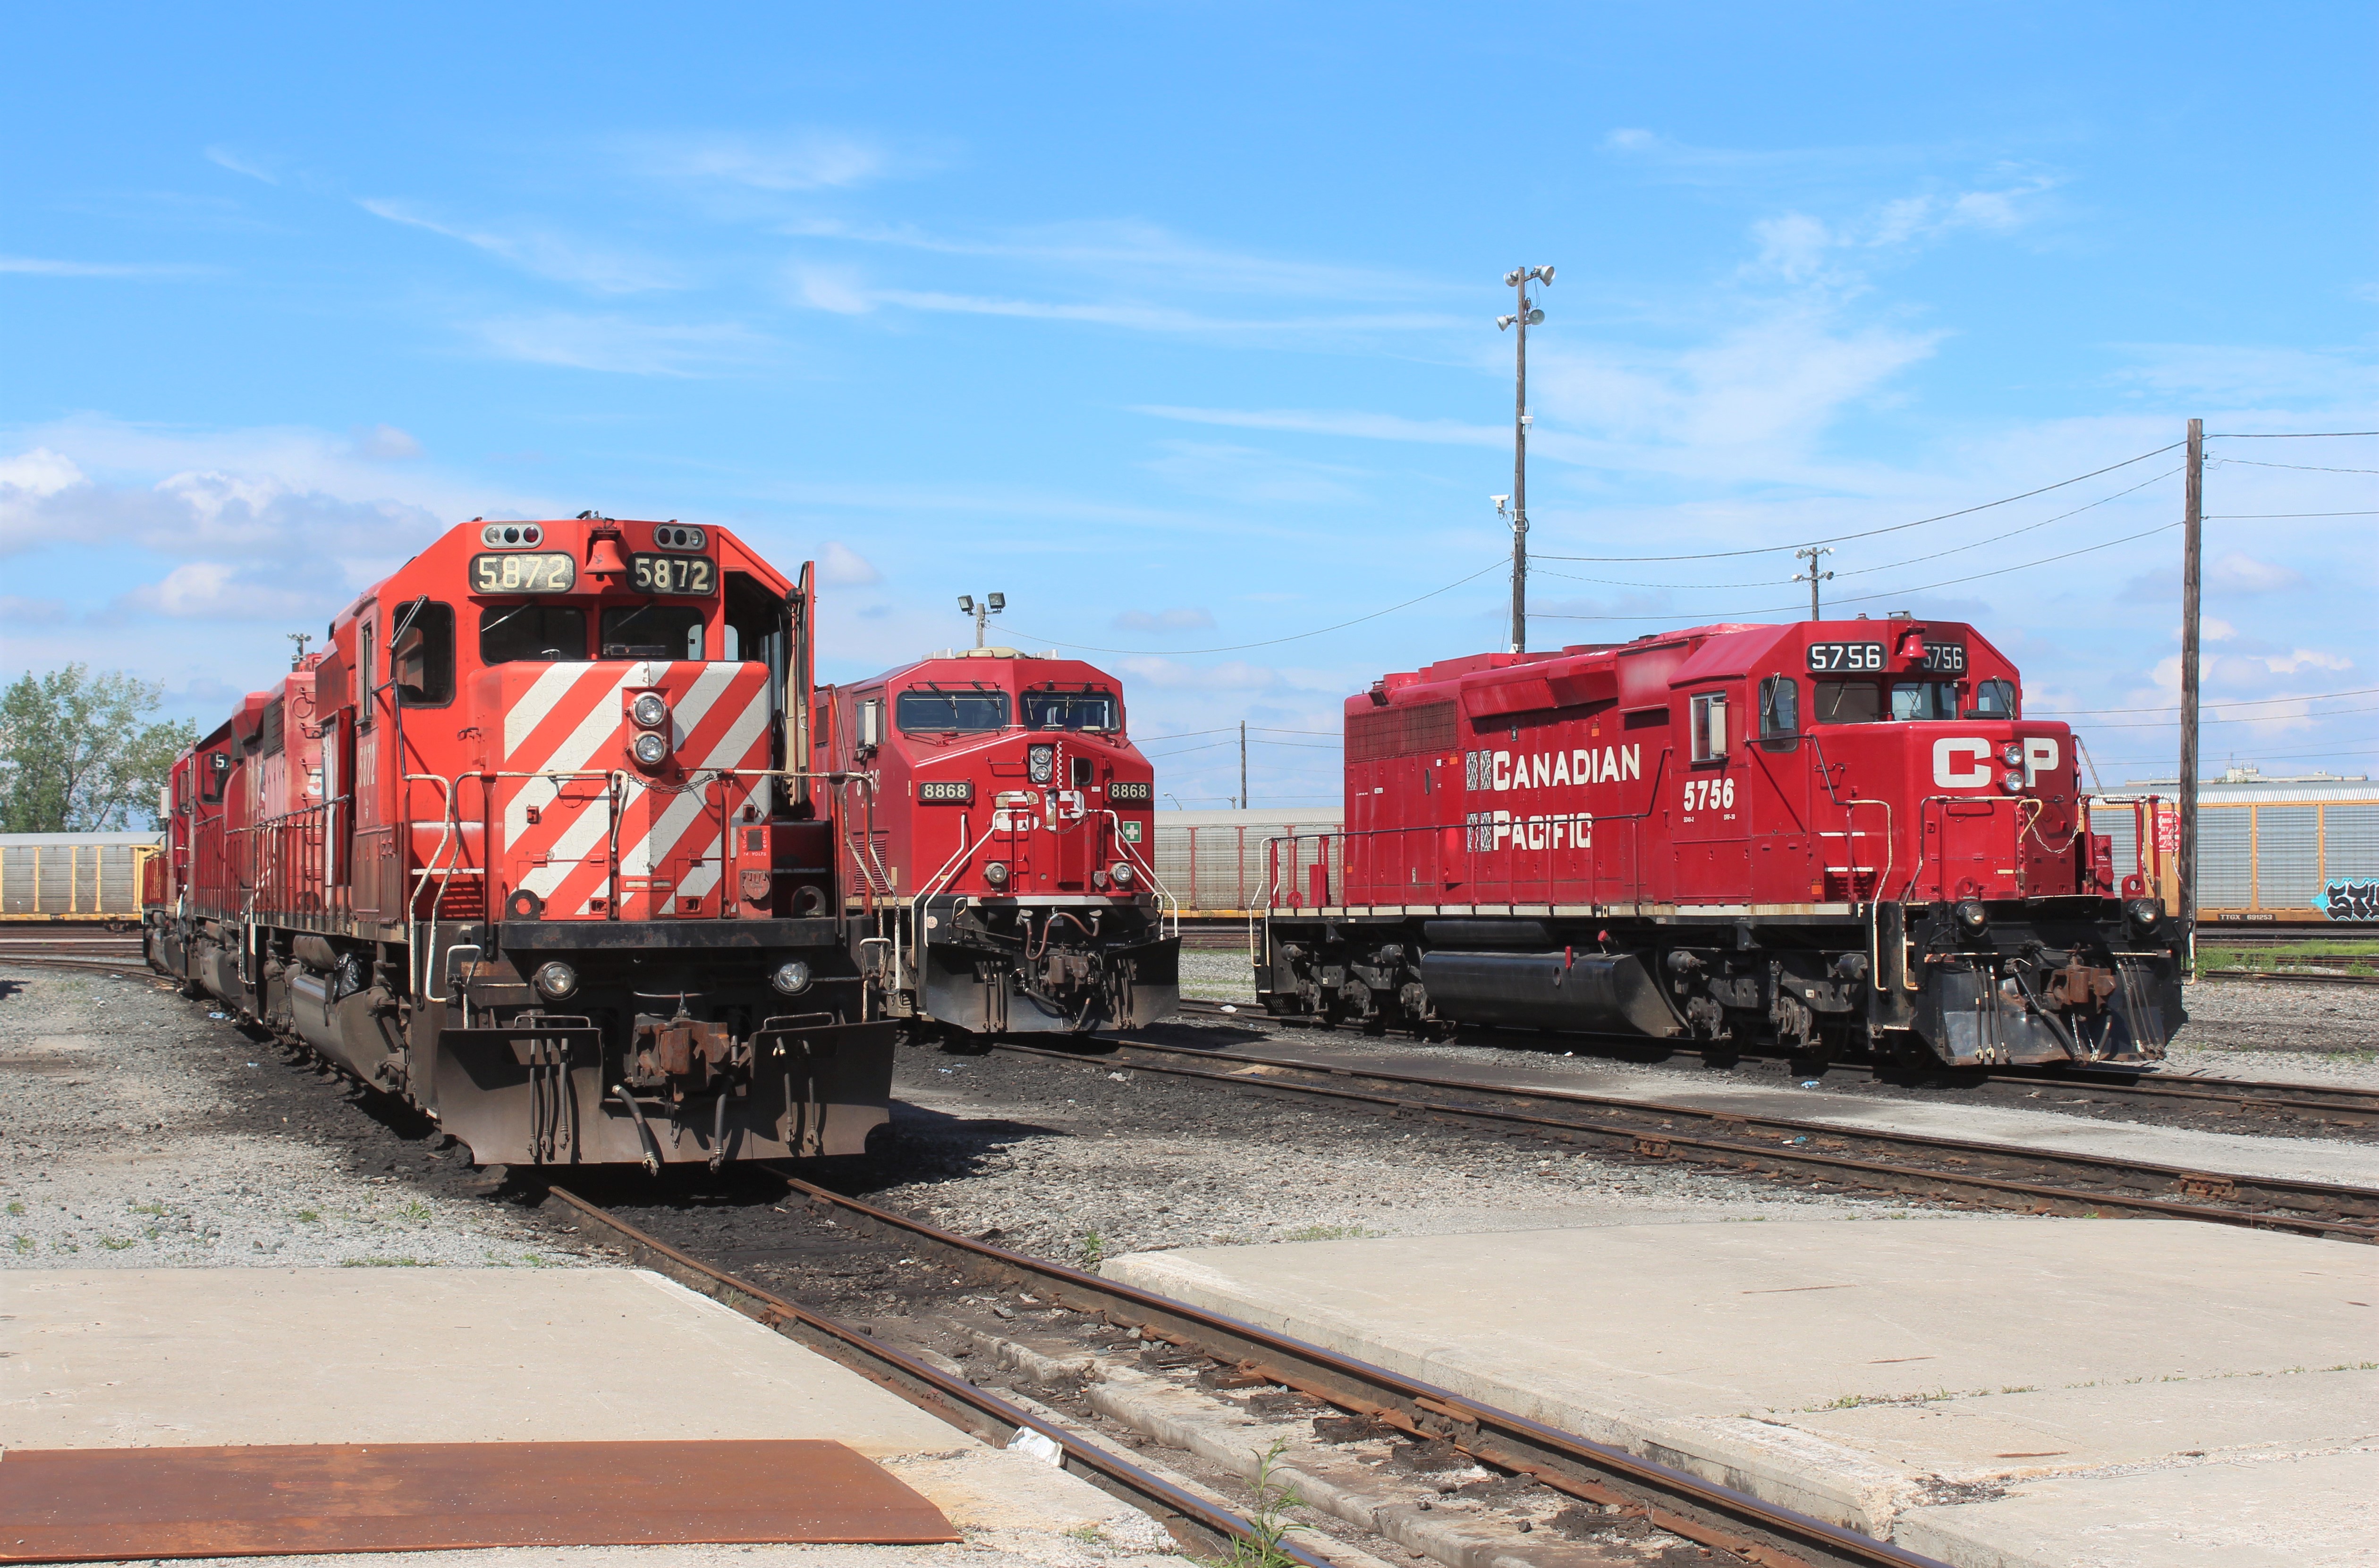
<point>1710,802</point>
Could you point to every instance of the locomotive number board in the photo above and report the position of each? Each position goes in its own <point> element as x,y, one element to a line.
<point>524,574</point>
<point>1946,658</point>
<point>690,574</point>
<point>1130,790</point>
<point>1826,657</point>
<point>947,791</point>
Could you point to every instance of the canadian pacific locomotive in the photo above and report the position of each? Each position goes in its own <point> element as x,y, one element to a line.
<point>1001,873</point>
<point>529,843</point>
<point>1830,837</point>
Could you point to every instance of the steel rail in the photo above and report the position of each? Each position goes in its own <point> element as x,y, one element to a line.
<point>2355,1105</point>
<point>976,1411</point>
<point>1649,1136</point>
<point>1702,1510</point>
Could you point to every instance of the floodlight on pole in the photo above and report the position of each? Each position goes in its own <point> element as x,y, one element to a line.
<point>1813,576</point>
<point>1528,315</point>
<point>982,611</point>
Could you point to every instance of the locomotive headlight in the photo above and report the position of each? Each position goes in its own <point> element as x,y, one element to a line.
<point>555,981</point>
<point>791,977</point>
<point>2011,754</point>
<point>1041,763</point>
<point>1971,917</point>
<point>650,750</point>
<point>2012,781</point>
<point>996,873</point>
<point>650,711</point>
<point>1121,872</point>
<point>2143,915</point>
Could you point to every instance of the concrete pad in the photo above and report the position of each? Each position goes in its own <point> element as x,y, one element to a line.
<point>1932,1369</point>
<point>197,1356</point>
<point>2294,1159</point>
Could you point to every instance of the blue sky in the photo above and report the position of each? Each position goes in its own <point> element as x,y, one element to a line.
<point>1175,323</point>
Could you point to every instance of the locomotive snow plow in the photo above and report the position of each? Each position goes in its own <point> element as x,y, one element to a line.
<point>1836,837</point>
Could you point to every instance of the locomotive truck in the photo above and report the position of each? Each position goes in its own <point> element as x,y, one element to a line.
<point>1001,880</point>
<point>531,843</point>
<point>1830,837</point>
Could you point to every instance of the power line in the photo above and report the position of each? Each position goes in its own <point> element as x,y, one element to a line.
<point>1887,594</point>
<point>1269,641</point>
<point>2241,702</point>
<point>2283,435</point>
<point>2252,516</point>
<point>2242,718</point>
<point>1893,528</point>
<point>2301,467</point>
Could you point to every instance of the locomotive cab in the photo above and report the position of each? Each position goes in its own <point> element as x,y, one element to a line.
<point>1001,869</point>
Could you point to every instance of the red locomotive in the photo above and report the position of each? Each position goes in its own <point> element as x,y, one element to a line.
<point>1835,837</point>
<point>1002,869</point>
<point>529,843</point>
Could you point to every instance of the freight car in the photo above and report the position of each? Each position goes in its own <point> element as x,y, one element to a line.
<point>1001,880</point>
<point>527,844</point>
<point>1832,838</point>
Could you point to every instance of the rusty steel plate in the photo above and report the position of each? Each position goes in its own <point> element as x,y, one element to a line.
<point>98,1504</point>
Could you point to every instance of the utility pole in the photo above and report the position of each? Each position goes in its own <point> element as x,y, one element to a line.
<point>1525,316</point>
<point>297,660</point>
<point>1243,764</point>
<point>1813,576</point>
<point>992,604</point>
<point>2192,560</point>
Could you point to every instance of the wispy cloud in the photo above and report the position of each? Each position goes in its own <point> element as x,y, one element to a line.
<point>621,346</point>
<point>546,254</point>
<point>1335,422</point>
<point>44,267</point>
<point>1191,619</point>
<point>840,291</point>
<point>793,161</point>
<point>223,157</point>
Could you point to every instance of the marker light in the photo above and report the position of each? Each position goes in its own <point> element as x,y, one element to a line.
<point>1121,872</point>
<point>996,873</point>
<point>2011,754</point>
<point>792,977</point>
<point>2145,914</point>
<point>2012,781</point>
<point>1041,763</point>
<point>1973,917</point>
<point>555,980</point>
<point>650,750</point>
<point>650,711</point>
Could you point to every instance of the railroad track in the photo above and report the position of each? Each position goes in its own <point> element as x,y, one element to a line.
<point>2000,1175</point>
<point>1716,1516</point>
<point>2331,1103</point>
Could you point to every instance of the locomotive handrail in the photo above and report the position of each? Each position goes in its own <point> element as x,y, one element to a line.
<point>1148,868</point>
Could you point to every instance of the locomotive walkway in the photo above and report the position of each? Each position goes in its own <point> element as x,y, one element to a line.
<point>1992,1392</point>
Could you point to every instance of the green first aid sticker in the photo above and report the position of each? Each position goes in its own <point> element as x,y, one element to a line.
<point>1130,832</point>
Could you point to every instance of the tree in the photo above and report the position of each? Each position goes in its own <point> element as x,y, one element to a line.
<point>75,755</point>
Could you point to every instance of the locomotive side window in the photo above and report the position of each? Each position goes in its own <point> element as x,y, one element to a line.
<point>1993,699</point>
<point>537,633</point>
<point>1709,726</point>
<point>959,713</point>
<point>653,630</point>
<point>1924,699</point>
<point>1845,702</point>
<point>425,657</point>
<point>1779,708</point>
<point>214,774</point>
<point>1069,710</point>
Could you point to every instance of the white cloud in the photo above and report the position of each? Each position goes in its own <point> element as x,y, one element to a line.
<point>617,344</point>
<point>214,590</point>
<point>36,473</point>
<point>385,441</point>
<point>794,162</point>
<point>223,157</point>
<point>548,255</point>
<point>1187,619</point>
<point>2239,573</point>
<point>841,565</point>
<point>839,290</point>
<point>42,267</point>
<point>1333,422</point>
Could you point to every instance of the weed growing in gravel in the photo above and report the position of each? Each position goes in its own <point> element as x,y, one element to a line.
<point>1329,1233</point>
<point>1091,1253</point>
<point>23,1244</point>
<point>1089,1535</point>
<point>116,1244</point>
<point>310,1216</point>
<point>536,1260</point>
<point>413,1209</point>
<point>157,1210</point>
<point>1268,1521</point>
<point>16,1207</point>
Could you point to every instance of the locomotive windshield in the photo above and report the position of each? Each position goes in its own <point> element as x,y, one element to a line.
<point>958,713</point>
<point>653,630</point>
<point>1864,702</point>
<point>538,632</point>
<point>1993,699</point>
<point>1069,710</point>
